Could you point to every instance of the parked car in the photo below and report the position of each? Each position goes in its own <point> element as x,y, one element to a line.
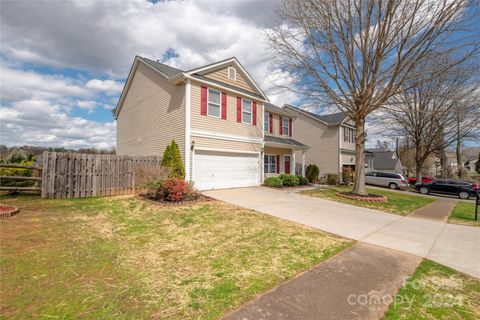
<point>462,188</point>
<point>386,179</point>
<point>425,179</point>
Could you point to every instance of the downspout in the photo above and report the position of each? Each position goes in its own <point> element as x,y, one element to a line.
<point>187,129</point>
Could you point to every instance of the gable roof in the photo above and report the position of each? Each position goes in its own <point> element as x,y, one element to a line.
<point>383,159</point>
<point>172,74</point>
<point>331,119</point>
<point>270,107</point>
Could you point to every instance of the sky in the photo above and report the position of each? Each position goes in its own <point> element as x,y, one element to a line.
<point>63,64</point>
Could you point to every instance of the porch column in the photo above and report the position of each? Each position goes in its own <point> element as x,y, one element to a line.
<point>293,166</point>
<point>303,163</point>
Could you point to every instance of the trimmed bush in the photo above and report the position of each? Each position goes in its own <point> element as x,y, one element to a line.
<point>347,175</point>
<point>289,180</point>
<point>154,188</point>
<point>274,182</point>
<point>174,189</point>
<point>312,173</point>
<point>332,179</point>
<point>302,181</point>
<point>173,161</point>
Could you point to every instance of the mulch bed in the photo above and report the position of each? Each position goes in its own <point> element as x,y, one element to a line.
<point>368,198</point>
<point>160,202</point>
<point>8,211</point>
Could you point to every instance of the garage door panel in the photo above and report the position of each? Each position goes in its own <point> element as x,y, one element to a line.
<point>216,170</point>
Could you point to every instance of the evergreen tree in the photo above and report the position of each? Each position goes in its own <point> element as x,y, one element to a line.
<point>172,160</point>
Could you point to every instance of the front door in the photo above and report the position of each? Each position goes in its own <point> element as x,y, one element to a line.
<point>287,164</point>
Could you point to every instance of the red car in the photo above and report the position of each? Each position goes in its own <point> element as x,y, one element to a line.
<point>425,179</point>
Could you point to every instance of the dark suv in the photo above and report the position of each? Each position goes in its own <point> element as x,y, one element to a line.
<point>462,188</point>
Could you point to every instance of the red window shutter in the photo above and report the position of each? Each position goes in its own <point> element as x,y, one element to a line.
<point>280,125</point>
<point>203,101</point>
<point>290,127</point>
<point>254,111</point>
<point>239,109</point>
<point>278,164</point>
<point>270,122</point>
<point>224,106</point>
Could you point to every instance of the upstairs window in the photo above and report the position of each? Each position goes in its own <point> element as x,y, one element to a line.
<point>348,135</point>
<point>246,111</point>
<point>214,103</point>
<point>266,122</point>
<point>286,126</point>
<point>232,73</point>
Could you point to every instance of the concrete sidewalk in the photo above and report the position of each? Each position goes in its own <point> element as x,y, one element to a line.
<point>451,245</point>
<point>438,210</point>
<point>346,286</point>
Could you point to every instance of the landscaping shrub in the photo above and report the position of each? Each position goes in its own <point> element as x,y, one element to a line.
<point>148,176</point>
<point>347,175</point>
<point>332,178</point>
<point>174,189</point>
<point>289,180</point>
<point>154,189</point>
<point>302,181</point>
<point>312,173</point>
<point>274,182</point>
<point>173,161</point>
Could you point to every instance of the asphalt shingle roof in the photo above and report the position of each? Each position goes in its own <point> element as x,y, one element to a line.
<point>289,142</point>
<point>163,68</point>
<point>331,119</point>
<point>383,159</point>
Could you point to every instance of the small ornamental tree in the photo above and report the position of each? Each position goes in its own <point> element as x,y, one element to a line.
<point>312,173</point>
<point>173,161</point>
<point>477,165</point>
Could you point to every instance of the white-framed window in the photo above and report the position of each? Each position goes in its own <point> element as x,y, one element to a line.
<point>214,108</point>
<point>266,122</point>
<point>348,135</point>
<point>232,73</point>
<point>246,111</point>
<point>286,126</point>
<point>270,163</point>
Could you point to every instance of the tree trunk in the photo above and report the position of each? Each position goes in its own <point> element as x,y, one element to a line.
<point>359,184</point>
<point>418,166</point>
<point>443,164</point>
<point>459,153</point>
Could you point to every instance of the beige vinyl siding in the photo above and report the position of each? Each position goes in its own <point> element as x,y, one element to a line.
<point>222,76</point>
<point>152,114</point>
<point>348,158</point>
<point>322,140</point>
<point>230,126</point>
<point>276,126</point>
<point>281,152</point>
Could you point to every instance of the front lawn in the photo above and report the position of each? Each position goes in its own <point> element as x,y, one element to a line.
<point>123,258</point>
<point>464,213</point>
<point>398,203</point>
<point>437,292</point>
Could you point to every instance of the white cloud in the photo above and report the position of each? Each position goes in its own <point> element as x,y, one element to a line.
<point>38,122</point>
<point>108,86</point>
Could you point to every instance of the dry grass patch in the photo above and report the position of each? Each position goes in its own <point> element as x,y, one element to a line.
<point>124,258</point>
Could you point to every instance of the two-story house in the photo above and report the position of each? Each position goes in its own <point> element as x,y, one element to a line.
<point>331,139</point>
<point>216,115</point>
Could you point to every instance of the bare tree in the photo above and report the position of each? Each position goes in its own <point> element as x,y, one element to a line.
<point>357,54</point>
<point>429,110</point>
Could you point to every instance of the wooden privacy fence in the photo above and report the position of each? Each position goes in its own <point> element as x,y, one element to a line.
<point>76,175</point>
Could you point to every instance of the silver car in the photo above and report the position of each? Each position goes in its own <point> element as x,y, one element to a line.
<point>386,179</point>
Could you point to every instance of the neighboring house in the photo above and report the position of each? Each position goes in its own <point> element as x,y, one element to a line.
<point>369,161</point>
<point>386,160</point>
<point>331,139</point>
<point>216,115</point>
<point>470,165</point>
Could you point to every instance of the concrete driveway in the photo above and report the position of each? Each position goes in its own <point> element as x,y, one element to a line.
<point>451,245</point>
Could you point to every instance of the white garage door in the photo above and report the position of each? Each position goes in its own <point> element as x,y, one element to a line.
<point>217,170</point>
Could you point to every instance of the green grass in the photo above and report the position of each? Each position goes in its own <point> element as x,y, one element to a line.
<point>464,213</point>
<point>398,203</point>
<point>123,258</point>
<point>437,292</point>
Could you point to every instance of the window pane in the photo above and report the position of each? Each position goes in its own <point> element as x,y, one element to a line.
<point>247,117</point>
<point>213,110</point>
<point>214,96</point>
<point>247,105</point>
